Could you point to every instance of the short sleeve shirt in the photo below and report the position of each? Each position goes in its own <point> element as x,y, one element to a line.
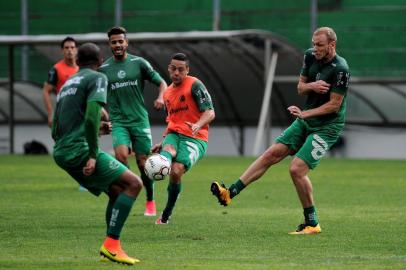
<point>126,81</point>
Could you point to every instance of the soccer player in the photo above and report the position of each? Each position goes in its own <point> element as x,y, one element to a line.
<point>75,130</point>
<point>126,75</point>
<point>59,73</point>
<point>324,78</point>
<point>189,111</point>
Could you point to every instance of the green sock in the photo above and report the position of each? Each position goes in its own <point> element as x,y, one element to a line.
<point>119,213</point>
<point>148,185</point>
<point>109,209</point>
<point>236,188</point>
<point>173,194</point>
<point>166,154</point>
<point>310,215</point>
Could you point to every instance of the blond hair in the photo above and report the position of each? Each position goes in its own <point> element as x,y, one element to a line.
<point>329,32</point>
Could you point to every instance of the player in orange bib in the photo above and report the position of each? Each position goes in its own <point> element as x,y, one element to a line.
<point>59,73</point>
<point>189,111</point>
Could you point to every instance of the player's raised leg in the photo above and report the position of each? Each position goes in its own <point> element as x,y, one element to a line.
<point>271,156</point>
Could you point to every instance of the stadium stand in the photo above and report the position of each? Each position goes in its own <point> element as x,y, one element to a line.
<point>372,33</point>
<point>371,37</point>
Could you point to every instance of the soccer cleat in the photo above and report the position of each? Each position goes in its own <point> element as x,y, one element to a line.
<point>161,221</point>
<point>150,209</point>
<point>221,192</point>
<point>104,259</point>
<point>118,256</point>
<point>307,229</point>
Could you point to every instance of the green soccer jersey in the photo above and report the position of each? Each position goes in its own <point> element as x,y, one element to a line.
<point>126,80</point>
<point>68,128</point>
<point>337,74</point>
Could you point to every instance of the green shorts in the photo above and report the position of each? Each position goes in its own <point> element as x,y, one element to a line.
<point>107,171</point>
<point>188,150</point>
<point>310,143</point>
<point>137,138</point>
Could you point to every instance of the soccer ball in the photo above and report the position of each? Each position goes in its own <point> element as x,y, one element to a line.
<point>157,167</point>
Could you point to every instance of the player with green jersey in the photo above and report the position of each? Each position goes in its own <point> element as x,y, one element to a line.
<point>126,75</point>
<point>75,130</point>
<point>324,78</point>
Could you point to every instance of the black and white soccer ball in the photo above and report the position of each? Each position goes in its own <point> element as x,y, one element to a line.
<point>157,167</point>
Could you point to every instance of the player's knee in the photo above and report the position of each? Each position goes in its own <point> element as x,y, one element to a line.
<point>169,148</point>
<point>270,156</point>
<point>275,153</point>
<point>296,171</point>
<point>293,170</point>
<point>122,158</point>
<point>135,183</point>
<point>130,183</point>
<point>141,162</point>
<point>177,170</point>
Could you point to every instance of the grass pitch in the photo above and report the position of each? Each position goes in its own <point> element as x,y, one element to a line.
<point>46,223</point>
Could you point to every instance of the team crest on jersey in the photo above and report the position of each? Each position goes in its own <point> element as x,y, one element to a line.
<point>121,74</point>
<point>113,164</point>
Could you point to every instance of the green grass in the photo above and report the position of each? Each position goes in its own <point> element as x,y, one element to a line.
<point>46,223</point>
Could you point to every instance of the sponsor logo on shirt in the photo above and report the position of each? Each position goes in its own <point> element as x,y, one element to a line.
<point>117,85</point>
<point>203,96</point>
<point>343,78</point>
<point>176,110</point>
<point>68,92</point>
<point>74,80</point>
